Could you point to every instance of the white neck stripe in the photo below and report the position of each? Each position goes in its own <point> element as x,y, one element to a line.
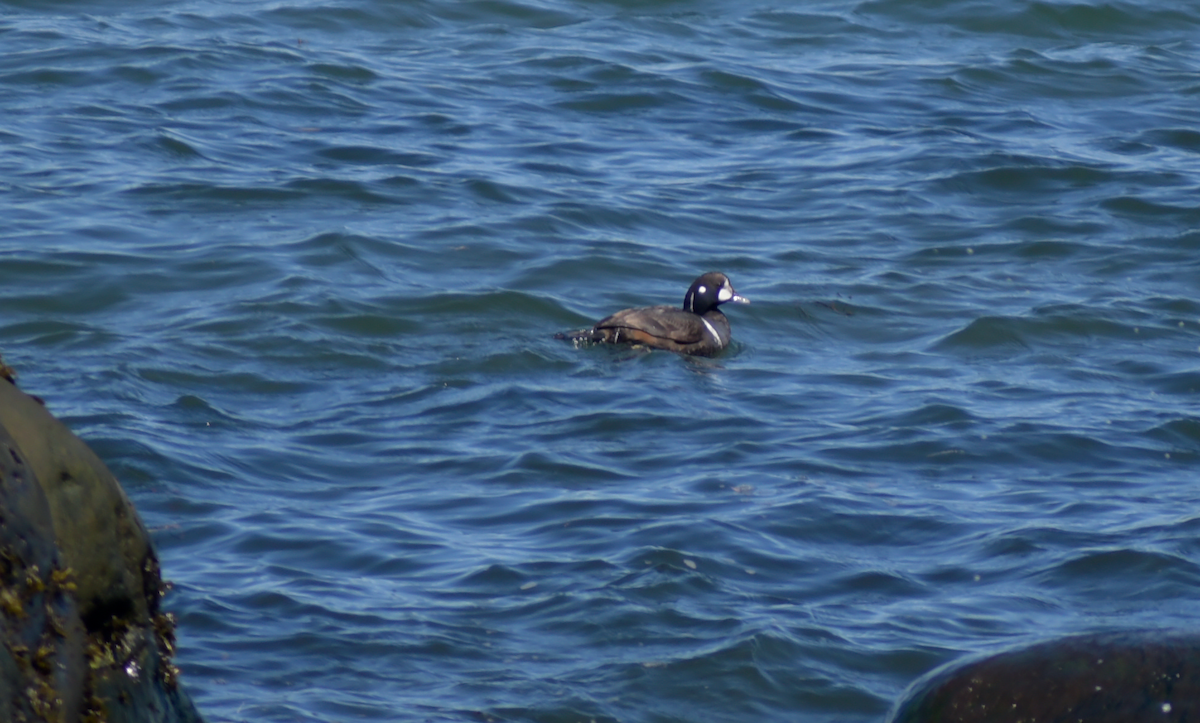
<point>711,330</point>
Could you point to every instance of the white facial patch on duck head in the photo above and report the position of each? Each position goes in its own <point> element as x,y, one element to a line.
<point>724,294</point>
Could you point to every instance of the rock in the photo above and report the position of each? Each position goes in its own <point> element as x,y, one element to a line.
<point>84,636</point>
<point>97,529</point>
<point>42,663</point>
<point>1112,678</point>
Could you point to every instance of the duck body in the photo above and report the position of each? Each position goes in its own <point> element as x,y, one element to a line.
<point>697,328</point>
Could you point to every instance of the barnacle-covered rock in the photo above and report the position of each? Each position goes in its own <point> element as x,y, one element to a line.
<point>83,635</point>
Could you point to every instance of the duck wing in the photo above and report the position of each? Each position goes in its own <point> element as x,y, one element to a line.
<point>667,323</point>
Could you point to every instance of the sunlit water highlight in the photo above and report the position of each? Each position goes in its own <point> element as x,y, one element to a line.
<point>294,272</point>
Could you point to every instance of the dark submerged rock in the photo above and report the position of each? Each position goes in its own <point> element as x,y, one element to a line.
<point>84,638</point>
<point>1130,677</point>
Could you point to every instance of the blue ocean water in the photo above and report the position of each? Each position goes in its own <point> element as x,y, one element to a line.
<point>294,271</point>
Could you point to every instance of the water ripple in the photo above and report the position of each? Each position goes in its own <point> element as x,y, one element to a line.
<point>295,273</point>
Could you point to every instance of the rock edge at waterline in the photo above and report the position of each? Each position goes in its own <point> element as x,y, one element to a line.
<point>1124,677</point>
<point>84,637</point>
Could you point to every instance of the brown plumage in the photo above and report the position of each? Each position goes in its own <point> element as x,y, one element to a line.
<point>698,328</point>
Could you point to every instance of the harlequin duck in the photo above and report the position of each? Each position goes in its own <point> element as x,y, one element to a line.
<point>699,328</point>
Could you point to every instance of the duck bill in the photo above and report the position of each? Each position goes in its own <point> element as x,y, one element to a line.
<point>739,299</point>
